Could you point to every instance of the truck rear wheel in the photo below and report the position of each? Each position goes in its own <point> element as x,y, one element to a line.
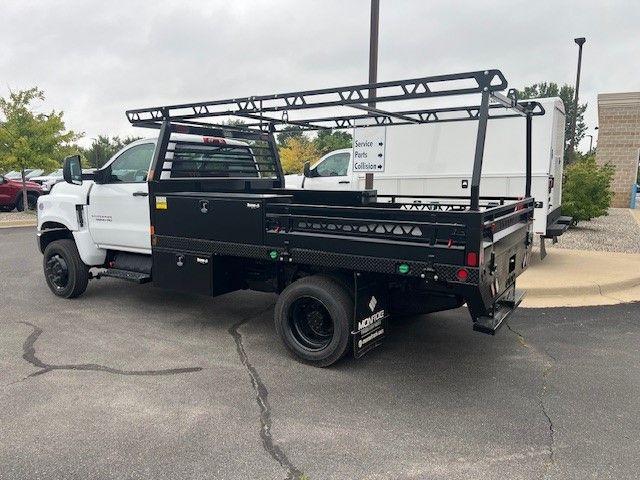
<point>313,318</point>
<point>66,274</point>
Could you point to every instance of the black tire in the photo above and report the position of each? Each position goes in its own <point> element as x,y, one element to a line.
<point>313,318</point>
<point>66,274</point>
<point>32,201</point>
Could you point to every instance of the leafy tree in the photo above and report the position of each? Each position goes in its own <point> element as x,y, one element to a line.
<point>103,148</point>
<point>295,152</point>
<point>587,189</point>
<point>29,139</point>
<point>327,141</point>
<point>567,94</point>
<point>288,132</point>
<point>234,122</point>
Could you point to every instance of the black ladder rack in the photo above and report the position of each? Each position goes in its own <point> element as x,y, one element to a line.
<point>271,113</point>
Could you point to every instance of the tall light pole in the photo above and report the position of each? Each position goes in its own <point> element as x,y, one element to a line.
<point>580,41</point>
<point>373,68</point>
<point>590,142</point>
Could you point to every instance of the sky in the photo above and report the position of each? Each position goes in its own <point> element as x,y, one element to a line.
<point>96,59</point>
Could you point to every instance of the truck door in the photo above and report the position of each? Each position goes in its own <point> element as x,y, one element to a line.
<point>119,209</point>
<point>331,173</point>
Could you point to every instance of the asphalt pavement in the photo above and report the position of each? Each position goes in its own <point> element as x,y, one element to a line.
<point>136,382</point>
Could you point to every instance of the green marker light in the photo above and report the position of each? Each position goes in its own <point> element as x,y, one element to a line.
<point>403,268</point>
<point>273,254</point>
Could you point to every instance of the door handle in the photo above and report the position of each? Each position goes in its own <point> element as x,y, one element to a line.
<point>344,181</point>
<point>140,194</point>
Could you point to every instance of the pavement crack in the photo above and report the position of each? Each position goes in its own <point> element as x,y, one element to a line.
<point>262,399</point>
<point>29,354</point>
<point>543,392</point>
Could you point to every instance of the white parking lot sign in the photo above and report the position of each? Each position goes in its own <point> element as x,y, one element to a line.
<point>368,149</point>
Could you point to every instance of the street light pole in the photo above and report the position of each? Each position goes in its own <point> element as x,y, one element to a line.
<point>590,142</point>
<point>373,69</point>
<point>579,41</point>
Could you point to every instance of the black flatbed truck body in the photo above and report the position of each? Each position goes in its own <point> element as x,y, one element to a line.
<point>219,231</point>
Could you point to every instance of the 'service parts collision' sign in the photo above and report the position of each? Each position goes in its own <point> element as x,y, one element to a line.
<point>368,149</point>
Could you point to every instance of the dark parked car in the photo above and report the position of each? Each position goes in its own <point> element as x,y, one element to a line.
<point>10,194</point>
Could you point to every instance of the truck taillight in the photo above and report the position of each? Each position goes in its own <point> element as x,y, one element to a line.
<point>462,274</point>
<point>472,259</point>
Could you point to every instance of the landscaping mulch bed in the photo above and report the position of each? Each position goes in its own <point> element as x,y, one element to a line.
<point>617,232</point>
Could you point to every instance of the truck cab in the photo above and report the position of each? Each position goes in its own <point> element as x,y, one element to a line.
<point>109,210</point>
<point>334,171</point>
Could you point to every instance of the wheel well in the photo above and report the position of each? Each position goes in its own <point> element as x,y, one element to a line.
<point>52,231</point>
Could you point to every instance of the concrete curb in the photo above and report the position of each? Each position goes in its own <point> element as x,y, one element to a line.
<point>568,278</point>
<point>17,224</point>
<point>590,288</point>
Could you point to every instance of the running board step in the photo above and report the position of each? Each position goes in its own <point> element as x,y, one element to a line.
<point>557,229</point>
<point>564,220</point>
<point>501,311</point>
<point>135,277</point>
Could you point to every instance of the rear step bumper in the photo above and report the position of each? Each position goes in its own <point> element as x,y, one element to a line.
<point>135,277</point>
<point>558,227</point>
<point>502,308</point>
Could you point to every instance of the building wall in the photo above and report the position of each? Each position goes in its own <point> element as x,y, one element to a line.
<point>619,140</point>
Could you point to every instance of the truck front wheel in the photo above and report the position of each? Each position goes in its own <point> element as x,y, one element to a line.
<point>313,318</point>
<point>66,275</point>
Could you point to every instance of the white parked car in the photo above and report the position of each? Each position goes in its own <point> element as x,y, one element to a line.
<point>48,181</point>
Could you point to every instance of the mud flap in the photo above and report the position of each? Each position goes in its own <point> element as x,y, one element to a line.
<point>371,313</point>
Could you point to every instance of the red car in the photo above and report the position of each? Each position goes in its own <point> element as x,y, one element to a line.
<point>11,194</point>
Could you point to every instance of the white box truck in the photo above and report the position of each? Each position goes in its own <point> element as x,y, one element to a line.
<point>434,159</point>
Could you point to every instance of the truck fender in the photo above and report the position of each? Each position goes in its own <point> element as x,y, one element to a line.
<point>89,252</point>
<point>51,231</point>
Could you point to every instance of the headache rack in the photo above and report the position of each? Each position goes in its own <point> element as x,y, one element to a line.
<point>265,115</point>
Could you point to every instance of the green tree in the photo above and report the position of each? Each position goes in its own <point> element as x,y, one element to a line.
<point>586,191</point>
<point>29,139</point>
<point>103,148</point>
<point>327,141</point>
<point>290,131</point>
<point>566,93</point>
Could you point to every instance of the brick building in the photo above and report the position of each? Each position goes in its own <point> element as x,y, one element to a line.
<point>619,140</point>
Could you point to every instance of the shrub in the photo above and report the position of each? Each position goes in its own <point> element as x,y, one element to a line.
<point>587,189</point>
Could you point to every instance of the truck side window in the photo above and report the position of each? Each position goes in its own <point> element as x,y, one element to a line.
<point>132,166</point>
<point>333,166</point>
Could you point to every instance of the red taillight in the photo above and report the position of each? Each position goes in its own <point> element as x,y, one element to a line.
<point>214,141</point>
<point>472,259</point>
<point>462,274</point>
